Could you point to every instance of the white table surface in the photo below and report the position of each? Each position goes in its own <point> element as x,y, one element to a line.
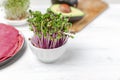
<point>94,54</point>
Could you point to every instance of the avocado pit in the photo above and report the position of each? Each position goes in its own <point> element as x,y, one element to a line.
<point>65,8</point>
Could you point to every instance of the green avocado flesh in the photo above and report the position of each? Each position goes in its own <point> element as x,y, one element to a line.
<point>74,15</point>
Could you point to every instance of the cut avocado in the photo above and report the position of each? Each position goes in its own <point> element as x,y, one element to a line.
<point>74,15</point>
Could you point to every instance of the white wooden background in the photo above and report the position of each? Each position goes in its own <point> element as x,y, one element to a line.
<point>38,2</point>
<point>94,53</point>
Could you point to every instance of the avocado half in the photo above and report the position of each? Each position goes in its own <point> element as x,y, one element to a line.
<point>74,15</point>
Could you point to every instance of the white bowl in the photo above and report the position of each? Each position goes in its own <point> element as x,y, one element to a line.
<point>48,55</point>
<point>16,22</point>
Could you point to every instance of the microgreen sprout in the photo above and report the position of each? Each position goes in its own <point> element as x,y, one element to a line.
<point>16,9</point>
<point>51,30</point>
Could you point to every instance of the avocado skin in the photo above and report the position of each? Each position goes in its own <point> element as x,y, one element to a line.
<point>76,18</point>
<point>69,2</point>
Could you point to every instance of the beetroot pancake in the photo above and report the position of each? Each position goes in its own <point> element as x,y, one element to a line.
<point>10,41</point>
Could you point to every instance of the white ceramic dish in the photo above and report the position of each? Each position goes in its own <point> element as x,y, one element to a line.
<point>16,22</point>
<point>48,55</point>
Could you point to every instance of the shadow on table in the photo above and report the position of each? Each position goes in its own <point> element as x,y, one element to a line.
<point>14,59</point>
<point>69,56</point>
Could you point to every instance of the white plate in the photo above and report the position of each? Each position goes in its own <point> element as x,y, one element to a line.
<point>16,22</point>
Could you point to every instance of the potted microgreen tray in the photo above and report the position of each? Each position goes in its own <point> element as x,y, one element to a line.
<point>16,11</point>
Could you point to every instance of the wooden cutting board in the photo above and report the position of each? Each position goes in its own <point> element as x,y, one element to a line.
<point>91,8</point>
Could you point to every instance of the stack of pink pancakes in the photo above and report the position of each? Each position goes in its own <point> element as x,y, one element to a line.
<point>10,41</point>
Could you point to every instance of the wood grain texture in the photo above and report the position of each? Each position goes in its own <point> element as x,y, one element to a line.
<point>91,8</point>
